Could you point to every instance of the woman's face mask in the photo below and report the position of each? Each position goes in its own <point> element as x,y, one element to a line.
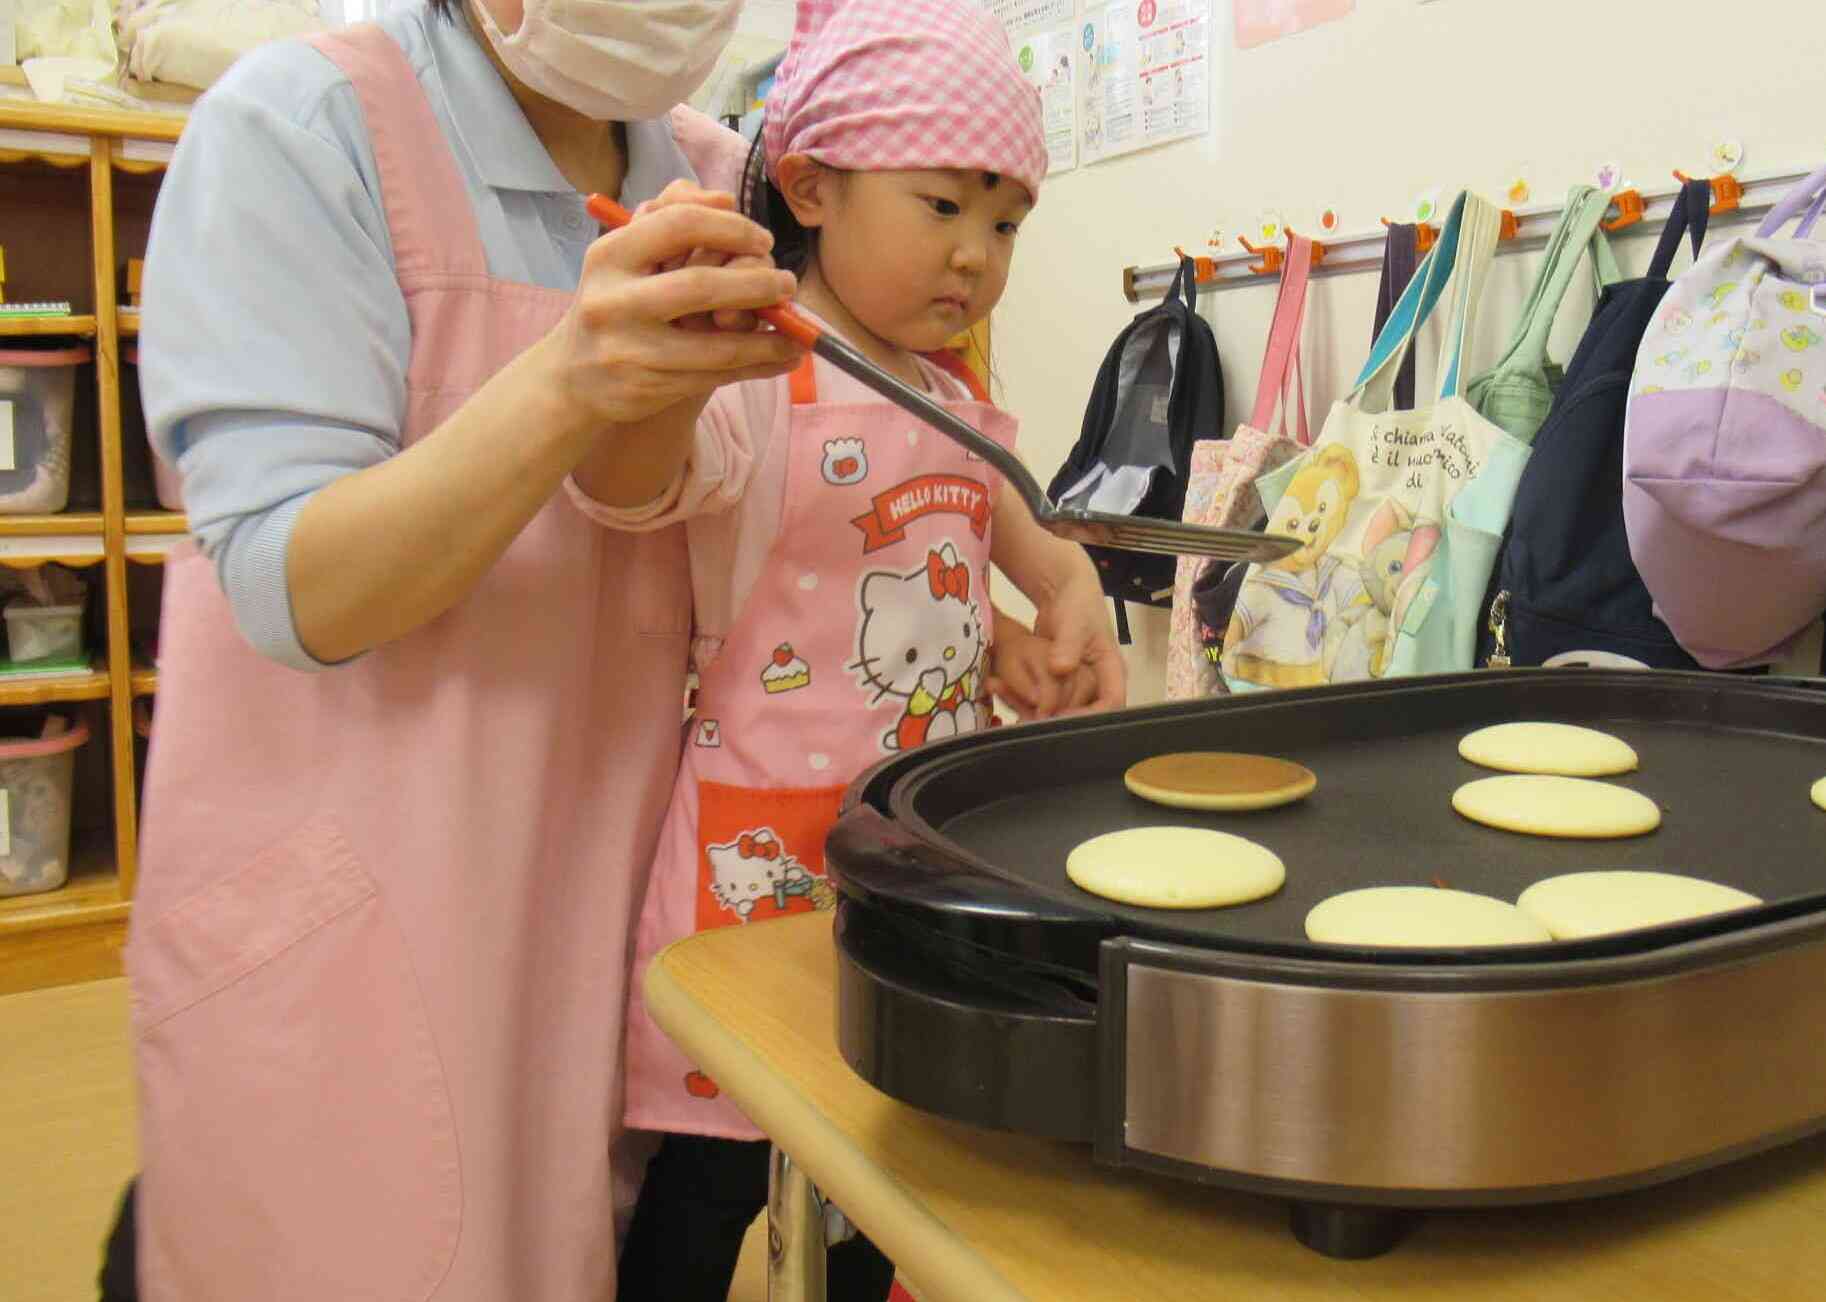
<point>612,60</point>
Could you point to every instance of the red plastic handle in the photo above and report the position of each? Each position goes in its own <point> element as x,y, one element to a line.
<point>794,325</point>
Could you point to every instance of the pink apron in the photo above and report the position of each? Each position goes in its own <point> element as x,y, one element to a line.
<point>867,634</point>
<point>380,945</point>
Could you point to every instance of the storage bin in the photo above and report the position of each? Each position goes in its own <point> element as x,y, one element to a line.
<point>37,403</point>
<point>36,776</point>
<point>42,632</point>
<point>168,484</point>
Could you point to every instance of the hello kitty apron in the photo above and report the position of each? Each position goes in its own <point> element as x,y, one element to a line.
<point>866,634</point>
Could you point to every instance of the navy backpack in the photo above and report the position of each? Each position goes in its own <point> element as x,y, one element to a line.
<point>1160,390</point>
<point>1564,590</point>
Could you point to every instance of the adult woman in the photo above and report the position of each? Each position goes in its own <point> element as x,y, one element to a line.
<point>418,716</point>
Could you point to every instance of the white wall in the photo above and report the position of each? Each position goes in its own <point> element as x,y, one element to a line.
<point>1364,114</point>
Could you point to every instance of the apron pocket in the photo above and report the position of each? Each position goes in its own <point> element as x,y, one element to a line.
<point>299,1138</point>
<point>761,852</point>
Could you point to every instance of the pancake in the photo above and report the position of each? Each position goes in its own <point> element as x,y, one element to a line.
<point>1175,868</point>
<point>1553,748</point>
<point>1540,805</point>
<point>1577,905</point>
<point>1219,780</point>
<point>1421,917</point>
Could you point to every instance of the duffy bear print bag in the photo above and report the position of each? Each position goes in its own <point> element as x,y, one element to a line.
<point>1401,511</point>
<point>1724,443</point>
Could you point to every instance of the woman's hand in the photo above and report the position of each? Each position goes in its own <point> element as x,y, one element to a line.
<point>690,192</point>
<point>619,357</point>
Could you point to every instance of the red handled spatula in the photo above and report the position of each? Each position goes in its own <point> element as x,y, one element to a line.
<point>1099,528</point>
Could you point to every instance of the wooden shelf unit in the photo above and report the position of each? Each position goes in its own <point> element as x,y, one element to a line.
<point>82,326</point>
<point>77,933</point>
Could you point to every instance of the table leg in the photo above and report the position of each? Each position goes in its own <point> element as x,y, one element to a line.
<point>795,1233</point>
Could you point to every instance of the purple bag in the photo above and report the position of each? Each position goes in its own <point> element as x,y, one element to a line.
<point>1724,445</point>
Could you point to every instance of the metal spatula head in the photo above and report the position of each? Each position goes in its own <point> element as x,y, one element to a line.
<point>1125,532</point>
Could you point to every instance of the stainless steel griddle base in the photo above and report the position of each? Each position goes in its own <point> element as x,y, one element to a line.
<point>1359,1085</point>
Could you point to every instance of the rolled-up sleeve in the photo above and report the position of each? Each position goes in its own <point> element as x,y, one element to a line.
<point>733,426</point>
<point>276,338</point>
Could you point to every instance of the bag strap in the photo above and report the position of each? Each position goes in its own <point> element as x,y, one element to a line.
<point>1185,285</point>
<point>1462,255</point>
<point>1577,230</point>
<point>1281,360</point>
<point>1692,211</point>
<point>1810,195</point>
<point>1400,255</point>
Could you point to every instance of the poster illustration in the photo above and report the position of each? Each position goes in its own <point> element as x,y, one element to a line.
<point>1260,21</point>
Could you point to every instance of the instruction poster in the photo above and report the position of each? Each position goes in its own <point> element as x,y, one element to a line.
<point>1146,75</point>
<point>1047,59</point>
<point>1261,21</point>
<point>1022,16</point>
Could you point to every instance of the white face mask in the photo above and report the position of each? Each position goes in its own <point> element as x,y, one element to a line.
<point>615,60</point>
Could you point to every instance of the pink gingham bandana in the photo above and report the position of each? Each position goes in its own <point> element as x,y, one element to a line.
<point>892,85</point>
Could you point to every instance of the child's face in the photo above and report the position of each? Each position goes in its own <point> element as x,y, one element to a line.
<point>917,257</point>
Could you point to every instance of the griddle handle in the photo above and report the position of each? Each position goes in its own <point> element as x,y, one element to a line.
<point>874,861</point>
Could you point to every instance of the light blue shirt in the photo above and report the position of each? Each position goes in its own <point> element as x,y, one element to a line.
<point>275,339</point>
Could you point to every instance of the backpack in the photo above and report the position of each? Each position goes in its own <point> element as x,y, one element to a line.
<point>1160,390</point>
<point>1565,590</point>
<point>1724,449</point>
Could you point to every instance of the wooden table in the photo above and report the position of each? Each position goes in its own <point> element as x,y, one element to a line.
<point>973,1215</point>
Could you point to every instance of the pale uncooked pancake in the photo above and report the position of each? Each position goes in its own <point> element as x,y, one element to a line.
<point>1220,780</point>
<point>1819,793</point>
<point>1557,748</point>
<point>1175,868</point>
<point>1598,903</point>
<point>1540,805</point>
<point>1421,917</point>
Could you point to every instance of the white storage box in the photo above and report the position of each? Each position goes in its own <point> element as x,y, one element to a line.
<point>168,484</point>
<point>36,776</point>
<point>42,632</point>
<point>37,401</point>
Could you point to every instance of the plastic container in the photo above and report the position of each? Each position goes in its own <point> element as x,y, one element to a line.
<point>36,777</point>
<point>42,632</point>
<point>37,402</point>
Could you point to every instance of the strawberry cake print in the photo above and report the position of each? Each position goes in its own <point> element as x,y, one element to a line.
<point>785,671</point>
<point>846,462</point>
<point>921,639</point>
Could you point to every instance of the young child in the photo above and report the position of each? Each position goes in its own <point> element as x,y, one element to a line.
<point>841,558</point>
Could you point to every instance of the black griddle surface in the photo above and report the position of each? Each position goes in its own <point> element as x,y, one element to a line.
<point>1729,762</point>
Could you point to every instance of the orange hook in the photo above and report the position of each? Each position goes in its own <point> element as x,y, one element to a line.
<point>1628,206</point>
<point>1204,270</point>
<point>1425,235</point>
<point>1727,191</point>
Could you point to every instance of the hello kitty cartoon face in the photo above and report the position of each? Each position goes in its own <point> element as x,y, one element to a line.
<point>846,461</point>
<point>921,638</point>
<point>753,869</point>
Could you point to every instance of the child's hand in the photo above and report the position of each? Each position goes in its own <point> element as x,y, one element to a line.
<point>1084,654</point>
<point>689,192</point>
<point>1018,672</point>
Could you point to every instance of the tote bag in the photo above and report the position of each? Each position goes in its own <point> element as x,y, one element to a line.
<point>1222,491</point>
<point>1517,393</point>
<point>1401,512</point>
